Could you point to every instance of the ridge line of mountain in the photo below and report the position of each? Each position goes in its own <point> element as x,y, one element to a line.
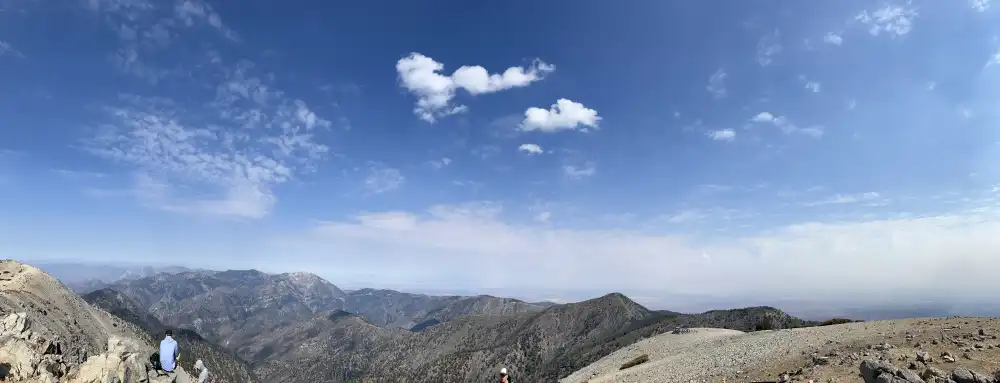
<point>294,327</point>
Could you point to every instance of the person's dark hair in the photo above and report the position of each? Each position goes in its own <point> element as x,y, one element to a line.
<point>169,332</point>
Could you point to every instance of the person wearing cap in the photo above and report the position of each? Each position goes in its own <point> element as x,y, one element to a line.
<point>503,375</point>
<point>202,371</point>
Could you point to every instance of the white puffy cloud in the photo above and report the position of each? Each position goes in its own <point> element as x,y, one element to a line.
<point>723,135</point>
<point>565,114</point>
<point>833,38</point>
<point>717,84</point>
<point>980,5</point>
<point>383,179</point>
<point>421,75</point>
<point>530,148</point>
<point>993,60</point>
<point>763,117</point>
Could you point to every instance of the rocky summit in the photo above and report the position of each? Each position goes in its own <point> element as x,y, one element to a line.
<point>48,334</point>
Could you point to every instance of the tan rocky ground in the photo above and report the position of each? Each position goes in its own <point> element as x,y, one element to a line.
<point>821,354</point>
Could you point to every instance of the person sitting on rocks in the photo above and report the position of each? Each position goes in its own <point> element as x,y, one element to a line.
<point>168,353</point>
<point>203,374</point>
<point>503,375</point>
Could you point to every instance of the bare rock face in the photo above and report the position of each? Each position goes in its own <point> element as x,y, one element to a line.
<point>880,371</point>
<point>53,336</point>
<point>26,354</point>
<point>29,357</point>
<point>123,361</point>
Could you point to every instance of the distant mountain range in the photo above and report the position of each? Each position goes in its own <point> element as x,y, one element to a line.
<point>86,277</point>
<point>297,327</point>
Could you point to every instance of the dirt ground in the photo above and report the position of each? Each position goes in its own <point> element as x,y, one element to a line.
<point>818,354</point>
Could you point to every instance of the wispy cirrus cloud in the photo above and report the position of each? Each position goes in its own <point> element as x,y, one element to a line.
<point>786,126</point>
<point>767,47</point>
<point>184,161</point>
<point>382,179</point>
<point>222,149</point>
<point>890,19</point>
<point>868,197</point>
<point>717,84</point>
<point>585,170</point>
<point>147,30</point>
<point>7,49</point>
<point>810,85</point>
<point>439,163</point>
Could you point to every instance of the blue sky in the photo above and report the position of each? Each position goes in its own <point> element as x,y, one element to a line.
<point>719,148</point>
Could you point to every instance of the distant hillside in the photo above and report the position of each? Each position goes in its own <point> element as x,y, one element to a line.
<point>231,307</point>
<point>234,307</point>
<point>744,319</point>
<point>224,364</point>
<point>542,346</point>
<point>298,327</point>
<point>86,277</point>
<point>391,308</point>
<point>466,349</point>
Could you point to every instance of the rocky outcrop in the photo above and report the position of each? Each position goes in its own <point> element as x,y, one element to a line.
<point>26,356</point>
<point>49,334</point>
<point>881,371</point>
<point>125,361</point>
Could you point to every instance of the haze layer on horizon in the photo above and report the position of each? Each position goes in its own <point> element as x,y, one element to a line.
<point>821,151</point>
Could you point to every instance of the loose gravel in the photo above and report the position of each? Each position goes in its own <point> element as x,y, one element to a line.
<point>708,354</point>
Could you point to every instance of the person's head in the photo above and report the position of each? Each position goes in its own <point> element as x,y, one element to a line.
<point>198,365</point>
<point>503,371</point>
<point>169,333</point>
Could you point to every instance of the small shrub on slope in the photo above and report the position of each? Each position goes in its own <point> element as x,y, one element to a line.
<point>635,362</point>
